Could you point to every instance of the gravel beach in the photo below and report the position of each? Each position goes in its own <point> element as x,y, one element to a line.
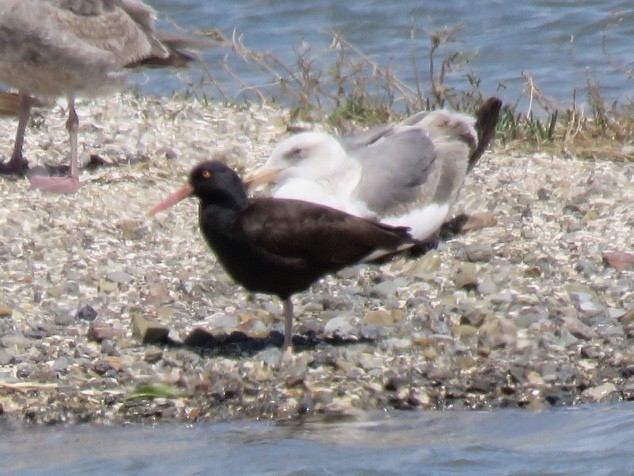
<point>107,316</point>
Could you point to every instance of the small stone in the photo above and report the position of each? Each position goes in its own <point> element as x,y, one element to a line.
<point>477,221</point>
<point>379,317</point>
<point>220,320</point>
<point>464,330</point>
<point>425,267</point>
<point>600,393</point>
<point>107,286</point>
<point>15,340</point>
<point>591,307</point>
<point>5,310</point>
<point>574,225</point>
<point>56,291</point>
<point>619,260</point>
<point>616,313</point>
<point>271,356</point>
<point>530,317</point>
<point>609,331</point>
<point>130,229</point>
<point>386,288</point>
<point>61,364</point>
<point>165,313</point>
<point>549,372</point>
<point>585,266</point>
<point>109,347</point>
<point>497,332</point>
<point>397,344</point>
<point>339,325</point>
<point>566,338</point>
<point>5,357</point>
<point>64,317</point>
<point>628,317</point>
<point>153,355</point>
<point>369,362</point>
<point>99,332</point>
<point>147,331</point>
<point>482,253</point>
<point>534,378</point>
<point>86,313</point>
<point>543,194</point>
<point>500,298</point>
<point>120,277</point>
<point>487,286</point>
<point>474,317</point>
<point>466,276</point>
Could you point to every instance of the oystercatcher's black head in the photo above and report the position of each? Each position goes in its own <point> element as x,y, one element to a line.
<point>212,182</point>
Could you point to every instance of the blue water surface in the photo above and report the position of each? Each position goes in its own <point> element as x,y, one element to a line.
<point>582,440</point>
<point>560,44</point>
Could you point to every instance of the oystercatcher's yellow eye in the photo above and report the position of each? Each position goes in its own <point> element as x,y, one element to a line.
<point>206,174</point>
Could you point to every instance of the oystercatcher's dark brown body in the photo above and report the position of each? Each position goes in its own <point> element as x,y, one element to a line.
<point>278,246</point>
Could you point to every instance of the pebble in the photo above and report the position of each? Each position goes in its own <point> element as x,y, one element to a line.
<point>148,331</point>
<point>120,277</point>
<point>5,310</point>
<point>61,364</point>
<point>340,325</point>
<point>64,317</point>
<point>579,329</point>
<point>271,356</point>
<point>619,260</point>
<point>86,313</point>
<point>5,357</point>
<point>223,321</point>
<point>497,332</point>
<point>389,287</point>
<point>370,362</point>
<point>466,275</point>
<point>487,286</point>
<point>100,331</point>
<point>425,267</point>
<point>479,220</point>
<point>479,253</point>
<point>379,317</point>
<point>153,355</point>
<point>599,393</point>
<point>16,341</point>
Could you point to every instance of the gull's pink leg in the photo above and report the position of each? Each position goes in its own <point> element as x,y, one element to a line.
<point>71,183</point>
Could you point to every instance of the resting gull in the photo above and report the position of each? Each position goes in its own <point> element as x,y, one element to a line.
<point>73,48</point>
<point>405,174</point>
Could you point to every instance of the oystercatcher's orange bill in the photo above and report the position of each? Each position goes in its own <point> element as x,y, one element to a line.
<point>183,192</point>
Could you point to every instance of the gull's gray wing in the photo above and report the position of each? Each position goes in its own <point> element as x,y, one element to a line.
<point>396,170</point>
<point>358,140</point>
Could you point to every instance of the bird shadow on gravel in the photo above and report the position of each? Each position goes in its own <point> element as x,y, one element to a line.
<point>238,343</point>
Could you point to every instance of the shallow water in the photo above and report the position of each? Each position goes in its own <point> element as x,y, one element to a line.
<point>559,43</point>
<point>589,440</point>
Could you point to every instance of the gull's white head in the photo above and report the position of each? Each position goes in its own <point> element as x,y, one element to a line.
<point>308,155</point>
<point>311,155</point>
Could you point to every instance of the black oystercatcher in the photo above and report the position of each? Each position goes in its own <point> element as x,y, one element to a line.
<point>278,246</point>
<point>406,174</point>
<point>75,48</point>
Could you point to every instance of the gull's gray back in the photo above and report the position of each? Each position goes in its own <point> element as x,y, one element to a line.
<point>395,169</point>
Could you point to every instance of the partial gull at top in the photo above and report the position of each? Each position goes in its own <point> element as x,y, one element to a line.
<point>75,48</point>
<point>405,174</point>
